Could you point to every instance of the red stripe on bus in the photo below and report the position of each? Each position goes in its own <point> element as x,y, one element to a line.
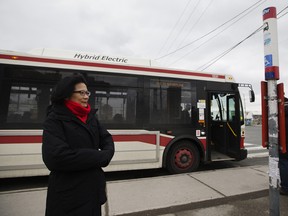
<point>164,141</point>
<point>125,67</point>
<point>203,141</point>
<point>20,139</point>
<point>146,138</point>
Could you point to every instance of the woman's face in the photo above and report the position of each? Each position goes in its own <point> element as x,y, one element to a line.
<point>80,94</point>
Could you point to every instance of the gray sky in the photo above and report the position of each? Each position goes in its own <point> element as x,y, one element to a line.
<point>150,29</point>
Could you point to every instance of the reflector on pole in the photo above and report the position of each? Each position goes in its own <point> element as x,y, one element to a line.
<point>264,107</point>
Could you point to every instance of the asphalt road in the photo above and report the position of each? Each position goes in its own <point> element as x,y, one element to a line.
<point>253,134</point>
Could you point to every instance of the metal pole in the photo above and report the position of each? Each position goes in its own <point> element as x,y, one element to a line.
<point>272,75</point>
<point>274,176</point>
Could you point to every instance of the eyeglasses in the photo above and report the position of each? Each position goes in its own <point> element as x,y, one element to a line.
<point>83,93</point>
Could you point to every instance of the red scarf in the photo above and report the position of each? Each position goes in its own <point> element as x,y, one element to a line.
<point>78,110</point>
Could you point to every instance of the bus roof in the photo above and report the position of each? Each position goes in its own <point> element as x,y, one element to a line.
<point>104,63</point>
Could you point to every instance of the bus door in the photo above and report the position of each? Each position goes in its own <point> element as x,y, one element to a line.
<point>224,133</point>
<point>234,122</point>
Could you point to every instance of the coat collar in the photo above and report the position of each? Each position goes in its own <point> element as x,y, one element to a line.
<point>63,113</point>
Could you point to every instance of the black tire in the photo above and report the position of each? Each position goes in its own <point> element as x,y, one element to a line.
<point>183,157</point>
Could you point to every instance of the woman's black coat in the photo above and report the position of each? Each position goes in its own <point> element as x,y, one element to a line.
<point>74,152</point>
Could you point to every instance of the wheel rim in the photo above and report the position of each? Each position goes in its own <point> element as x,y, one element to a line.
<point>183,158</point>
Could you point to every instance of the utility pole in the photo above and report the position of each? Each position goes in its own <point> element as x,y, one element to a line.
<point>271,76</point>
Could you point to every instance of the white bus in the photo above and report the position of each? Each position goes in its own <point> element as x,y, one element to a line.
<point>159,117</point>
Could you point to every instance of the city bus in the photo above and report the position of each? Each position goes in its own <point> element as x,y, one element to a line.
<point>158,117</point>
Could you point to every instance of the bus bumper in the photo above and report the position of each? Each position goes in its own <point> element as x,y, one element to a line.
<point>243,154</point>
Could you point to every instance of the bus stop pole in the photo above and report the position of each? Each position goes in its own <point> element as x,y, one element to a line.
<point>271,76</point>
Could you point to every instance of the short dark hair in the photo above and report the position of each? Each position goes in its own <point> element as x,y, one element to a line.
<point>65,87</point>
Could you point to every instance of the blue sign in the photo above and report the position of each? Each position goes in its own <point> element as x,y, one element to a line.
<point>268,61</point>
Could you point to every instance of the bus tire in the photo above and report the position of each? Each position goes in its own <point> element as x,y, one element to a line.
<point>183,157</point>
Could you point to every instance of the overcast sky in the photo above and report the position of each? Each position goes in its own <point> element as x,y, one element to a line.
<point>151,29</point>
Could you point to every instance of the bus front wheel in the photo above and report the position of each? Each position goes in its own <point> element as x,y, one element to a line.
<point>183,157</point>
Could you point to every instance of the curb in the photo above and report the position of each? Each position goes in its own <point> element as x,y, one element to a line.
<point>201,204</point>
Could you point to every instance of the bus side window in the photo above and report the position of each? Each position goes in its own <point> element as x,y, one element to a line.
<point>117,106</point>
<point>215,109</point>
<point>231,107</point>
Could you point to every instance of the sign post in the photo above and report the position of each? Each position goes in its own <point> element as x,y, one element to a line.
<point>271,76</point>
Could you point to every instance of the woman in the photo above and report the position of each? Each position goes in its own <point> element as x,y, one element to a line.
<point>75,148</point>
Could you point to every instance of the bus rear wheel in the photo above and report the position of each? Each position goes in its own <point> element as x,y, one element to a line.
<point>183,157</point>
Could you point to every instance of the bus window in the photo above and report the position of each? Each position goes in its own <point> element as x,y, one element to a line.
<point>216,114</point>
<point>115,97</point>
<point>22,105</point>
<point>170,102</point>
<point>116,105</point>
<point>231,104</point>
<point>219,108</point>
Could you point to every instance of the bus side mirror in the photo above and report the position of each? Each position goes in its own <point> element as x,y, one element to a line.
<point>252,96</point>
